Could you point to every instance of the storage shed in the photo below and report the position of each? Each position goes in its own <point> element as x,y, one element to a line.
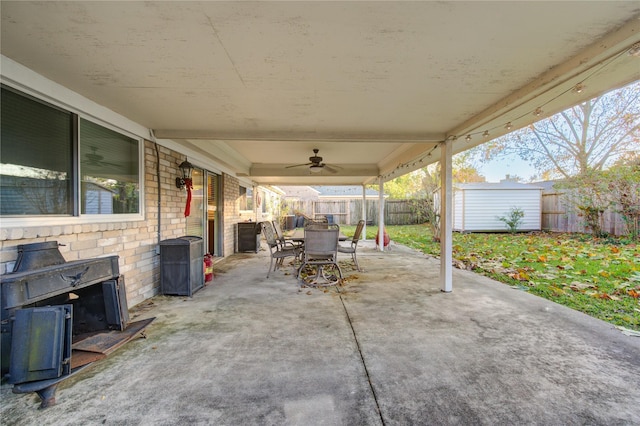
<point>477,206</point>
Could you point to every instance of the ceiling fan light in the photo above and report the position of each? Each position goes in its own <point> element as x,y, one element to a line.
<point>315,169</point>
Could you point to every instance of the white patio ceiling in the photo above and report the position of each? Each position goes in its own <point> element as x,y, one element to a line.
<point>256,86</point>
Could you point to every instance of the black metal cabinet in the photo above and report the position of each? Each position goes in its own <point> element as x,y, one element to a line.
<point>181,266</point>
<point>248,236</point>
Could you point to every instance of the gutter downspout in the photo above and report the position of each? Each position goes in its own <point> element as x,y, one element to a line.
<point>155,144</point>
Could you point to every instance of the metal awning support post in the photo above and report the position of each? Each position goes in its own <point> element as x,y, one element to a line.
<point>381,214</point>
<point>446,204</point>
<point>364,212</point>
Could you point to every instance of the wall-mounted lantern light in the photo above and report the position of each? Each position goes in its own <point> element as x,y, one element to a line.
<point>186,169</point>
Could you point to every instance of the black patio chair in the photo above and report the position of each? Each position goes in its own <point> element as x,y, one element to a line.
<point>353,246</point>
<point>276,251</point>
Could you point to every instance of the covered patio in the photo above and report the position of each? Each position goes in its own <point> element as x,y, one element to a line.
<point>388,348</point>
<point>248,90</point>
<point>251,89</point>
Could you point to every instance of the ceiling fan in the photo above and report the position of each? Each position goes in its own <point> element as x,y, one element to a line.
<point>94,159</point>
<point>316,165</point>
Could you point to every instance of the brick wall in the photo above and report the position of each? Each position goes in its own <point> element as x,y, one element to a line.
<point>135,242</point>
<point>231,212</point>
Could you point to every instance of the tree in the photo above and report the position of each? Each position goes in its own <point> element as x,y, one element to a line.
<point>588,137</point>
<point>594,192</point>
<point>464,169</point>
<point>403,187</point>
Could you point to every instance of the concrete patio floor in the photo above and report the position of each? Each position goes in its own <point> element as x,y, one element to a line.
<point>387,348</point>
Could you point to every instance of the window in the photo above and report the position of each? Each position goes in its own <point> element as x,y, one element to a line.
<point>263,201</point>
<point>36,173</point>
<point>53,162</point>
<point>246,198</point>
<point>108,170</point>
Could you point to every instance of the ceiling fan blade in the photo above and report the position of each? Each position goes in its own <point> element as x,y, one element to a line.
<point>298,165</point>
<point>331,168</point>
<point>119,166</point>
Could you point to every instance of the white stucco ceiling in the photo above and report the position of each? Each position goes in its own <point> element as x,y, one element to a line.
<point>373,85</point>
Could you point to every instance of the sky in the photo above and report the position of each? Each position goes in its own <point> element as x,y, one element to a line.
<point>495,170</point>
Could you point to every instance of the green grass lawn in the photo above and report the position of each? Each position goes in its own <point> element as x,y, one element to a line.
<point>600,277</point>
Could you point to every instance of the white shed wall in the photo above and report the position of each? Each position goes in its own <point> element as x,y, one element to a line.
<point>478,210</point>
<point>458,210</point>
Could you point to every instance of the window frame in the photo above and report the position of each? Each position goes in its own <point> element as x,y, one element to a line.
<point>76,218</point>
<point>247,199</point>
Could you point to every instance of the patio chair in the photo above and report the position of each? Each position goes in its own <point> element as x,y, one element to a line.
<point>316,224</point>
<point>287,243</point>
<point>352,247</point>
<point>276,251</point>
<point>320,255</point>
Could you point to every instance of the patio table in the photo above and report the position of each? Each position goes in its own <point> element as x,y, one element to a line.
<point>298,235</point>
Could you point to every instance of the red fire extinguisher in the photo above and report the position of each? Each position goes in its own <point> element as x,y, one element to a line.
<point>208,268</point>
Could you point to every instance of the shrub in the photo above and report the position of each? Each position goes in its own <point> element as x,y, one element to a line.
<point>513,220</point>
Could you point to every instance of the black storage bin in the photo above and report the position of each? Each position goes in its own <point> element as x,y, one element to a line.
<point>247,236</point>
<point>181,265</point>
<point>289,222</point>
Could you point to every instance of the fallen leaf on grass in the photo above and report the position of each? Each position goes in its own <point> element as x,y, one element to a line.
<point>604,273</point>
<point>578,286</point>
<point>603,296</point>
<point>564,267</point>
<point>520,275</point>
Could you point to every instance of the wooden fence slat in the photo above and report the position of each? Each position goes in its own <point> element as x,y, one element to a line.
<point>348,212</point>
<point>556,215</point>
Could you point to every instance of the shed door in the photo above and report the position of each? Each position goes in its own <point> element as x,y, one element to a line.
<point>41,343</point>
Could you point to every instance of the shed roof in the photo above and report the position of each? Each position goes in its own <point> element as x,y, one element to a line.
<point>344,191</point>
<point>497,186</point>
<point>300,192</point>
<point>337,191</point>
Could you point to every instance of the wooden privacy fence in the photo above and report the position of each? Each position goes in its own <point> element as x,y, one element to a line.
<point>349,212</point>
<point>557,216</point>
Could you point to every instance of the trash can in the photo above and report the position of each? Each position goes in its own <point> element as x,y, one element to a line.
<point>289,222</point>
<point>329,218</point>
<point>181,265</point>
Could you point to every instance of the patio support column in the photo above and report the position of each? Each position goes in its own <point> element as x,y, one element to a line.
<point>364,212</point>
<point>446,204</point>
<point>255,203</point>
<point>381,214</point>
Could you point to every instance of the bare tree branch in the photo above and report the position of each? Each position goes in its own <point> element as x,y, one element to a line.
<point>589,136</point>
